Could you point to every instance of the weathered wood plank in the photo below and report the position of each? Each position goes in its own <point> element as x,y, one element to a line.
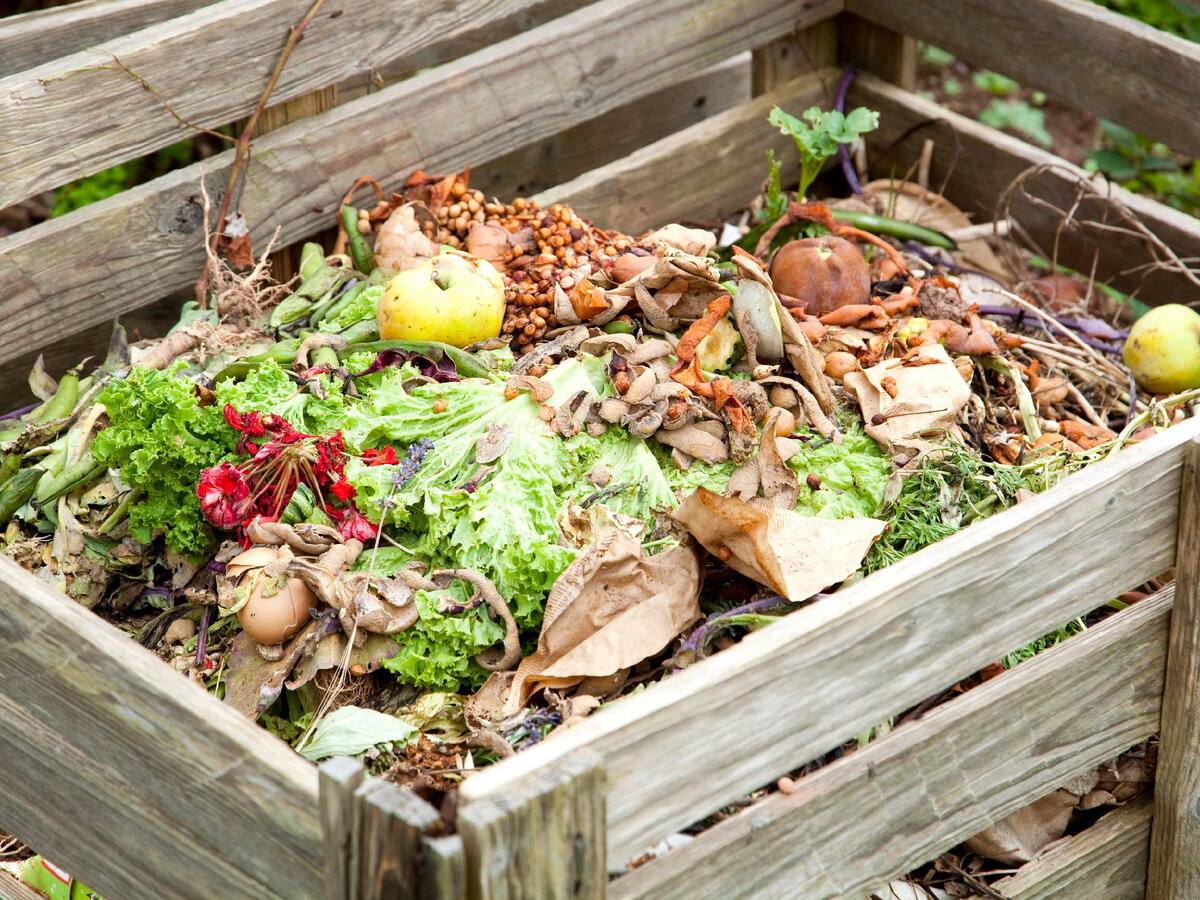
<point>11,889</point>
<point>47,123</point>
<point>134,779</point>
<point>1080,53</point>
<point>794,56</point>
<point>787,693</point>
<point>390,827</point>
<point>705,171</point>
<point>443,118</point>
<point>1175,846</point>
<point>33,38</point>
<point>876,814</point>
<point>1105,862</point>
<point>892,55</point>
<point>982,162</point>
<point>538,837</point>
<point>443,868</point>
<point>340,778</point>
<point>616,134</point>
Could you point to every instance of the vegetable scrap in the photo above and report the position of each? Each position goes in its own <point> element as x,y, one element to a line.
<point>487,466</point>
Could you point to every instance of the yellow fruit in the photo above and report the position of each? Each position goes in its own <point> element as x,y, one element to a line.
<point>715,351</point>
<point>1163,349</point>
<point>453,298</point>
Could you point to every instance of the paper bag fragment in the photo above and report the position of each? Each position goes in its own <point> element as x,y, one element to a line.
<point>609,610</point>
<point>795,555</point>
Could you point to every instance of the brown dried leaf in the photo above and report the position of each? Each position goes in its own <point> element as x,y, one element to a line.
<point>491,446</point>
<point>792,554</point>
<point>779,483</point>
<point>588,300</point>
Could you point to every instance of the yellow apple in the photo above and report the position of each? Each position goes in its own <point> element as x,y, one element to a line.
<point>1163,349</point>
<point>453,298</point>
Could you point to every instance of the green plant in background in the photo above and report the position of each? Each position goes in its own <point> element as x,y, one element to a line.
<point>1175,16</point>
<point>121,177</point>
<point>995,83</point>
<point>1020,116</point>
<point>1138,163</point>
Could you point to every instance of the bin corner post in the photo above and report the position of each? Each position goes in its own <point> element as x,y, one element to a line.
<point>389,841</point>
<point>1175,832</point>
<point>889,54</point>
<point>339,778</point>
<point>540,835</point>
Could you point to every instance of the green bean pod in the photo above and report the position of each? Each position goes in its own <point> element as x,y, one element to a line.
<point>62,404</point>
<point>17,491</point>
<point>9,466</point>
<point>905,231</point>
<point>332,308</point>
<point>70,478</point>
<point>360,250</point>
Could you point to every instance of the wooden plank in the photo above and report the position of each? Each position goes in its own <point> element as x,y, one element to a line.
<point>981,163</point>
<point>876,814</point>
<point>1175,846</point>
<point>892,55</point>
<point>794,56</point>
<point>908,631</point>
<point>390,827</point>
<point>1104,862</point>
<point>1086,56</point>
<point>441,119</point>
<point>47,131</point>
<point>134,779</point>
<point>708,170</point>
<point>32,38</point>
<point>443,868</point>
<point>537,837</point>
<point>616,134</point>
<point>340,778</point>
<point>11,889</point>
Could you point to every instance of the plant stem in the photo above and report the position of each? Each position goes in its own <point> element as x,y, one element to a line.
<point>242,146</point>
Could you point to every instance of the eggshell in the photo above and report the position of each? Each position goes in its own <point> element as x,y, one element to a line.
<point>275,618</point>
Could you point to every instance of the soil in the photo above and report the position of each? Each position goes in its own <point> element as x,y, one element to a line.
<point>1074,132</point>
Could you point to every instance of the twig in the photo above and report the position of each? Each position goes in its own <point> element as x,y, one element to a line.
<point>163,100</point>
<point>242,145</point>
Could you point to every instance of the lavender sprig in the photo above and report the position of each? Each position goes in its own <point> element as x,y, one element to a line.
<point>411,462</point>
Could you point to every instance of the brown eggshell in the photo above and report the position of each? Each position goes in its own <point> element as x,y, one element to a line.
<point>824,273</point>
<point>275,618</point>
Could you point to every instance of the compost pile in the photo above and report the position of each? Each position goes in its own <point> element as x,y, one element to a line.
<point>487,465</point>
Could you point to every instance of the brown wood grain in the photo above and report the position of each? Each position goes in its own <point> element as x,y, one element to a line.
<point>788,693</point>
<point>32,38</point>
<point>126,251</point>
<point>11,889</point>
<point>892,55</point>
<point>340,777</point>
<point>1175,842</point>
<point>1106,861</point>
<point>134,779</point>
<point>443,868</point>
<point>872,816</point>
<point>391,825</point>
<point>977,164</point>
<point>1079,53</point>
<point>704,172</point>
<point>538,836</point>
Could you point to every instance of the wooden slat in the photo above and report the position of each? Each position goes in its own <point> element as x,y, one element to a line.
<point>1091,58</point>
<point>539,836</point>
<point>789,692</point>
<point>983,162</point>
<point>892,55</point>
<point>1104,862</point>
<point>872,816</point>
<point>340,778</point>
<point>11,889</point>
<point>48,133</point>
<point>33,38</point>
<point>795,56</point>
<point>441,119</point>
<point>616,134</point>
<point>390,828</point>
<point>134,779</point>
<point>1175,847</point>
<point>443,868</point>
<point>709,170</point>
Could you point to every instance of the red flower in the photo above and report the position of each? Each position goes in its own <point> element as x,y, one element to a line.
<point>385,457</point>
<point>224,495</point>
<point>251,423</point>
<point>357,526</point>
<point>343,489</point>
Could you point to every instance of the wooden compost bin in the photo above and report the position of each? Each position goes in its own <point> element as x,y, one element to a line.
<point>143,785</point>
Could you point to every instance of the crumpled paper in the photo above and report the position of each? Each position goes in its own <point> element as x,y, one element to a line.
<point>916,395</point>
<point>611,608</point>
<point>794,555</point>
<point>1018,838</point>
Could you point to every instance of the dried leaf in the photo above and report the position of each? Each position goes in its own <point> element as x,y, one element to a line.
<point>693,241</point>
<point>611,608</point>
<point>779,483</point>
<point>794,555</point>
<point>400,243</point>
<point>695,441</point>
<point>491,446</point>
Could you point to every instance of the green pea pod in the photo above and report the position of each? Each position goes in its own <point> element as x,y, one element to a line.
<point>120,512</point>
<point>17,491</point>
<point>905,231</point>
<point>333,308</point>
<point>360,250</point>
<point>72,477</point>
<point>312,257</point>
<point>9,466</point>
<point>62,404</point>
<point>617,326</point>
<point>282,352</point>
